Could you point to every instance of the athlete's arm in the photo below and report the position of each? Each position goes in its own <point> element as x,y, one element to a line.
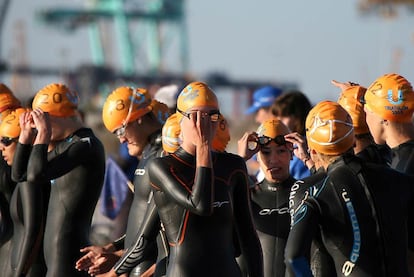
<point>33,225</point>
<point>145,236</point>
<point>304,225</point>
<point>249,241</point>
<point>197,199</point>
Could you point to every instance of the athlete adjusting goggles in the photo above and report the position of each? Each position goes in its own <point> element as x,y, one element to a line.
<point>263,141</point>
<point>7,141</point>
<point>214,115</point>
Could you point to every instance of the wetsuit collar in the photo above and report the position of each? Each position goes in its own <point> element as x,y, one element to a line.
<point>185,156</point>
<point>266,185</point>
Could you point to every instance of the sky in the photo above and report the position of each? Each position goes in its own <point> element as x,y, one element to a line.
<point>305,42</point>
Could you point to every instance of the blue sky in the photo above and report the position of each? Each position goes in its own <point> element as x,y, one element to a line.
<point>308,42</point>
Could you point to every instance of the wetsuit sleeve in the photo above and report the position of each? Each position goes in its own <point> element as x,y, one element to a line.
<point>119,243</point>
<point>33,223</point>
<point>197,199</point>
<point>249,241</point>
<point>146,235</point>
<point>20,161</point>
<point>303,227</point>
<point>43,170</point>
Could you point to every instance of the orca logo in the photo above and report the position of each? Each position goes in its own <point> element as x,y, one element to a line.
<point>139,171</point>
<point>284,210</point>
<point>219,204</point>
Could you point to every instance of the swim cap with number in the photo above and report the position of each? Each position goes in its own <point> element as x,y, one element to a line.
<point>160,110</point>
<point>56,99</point>
<point>391,97</point>
<point>10,126</point>
<point>222,136</point>
<point>123,105</point>
<point>196,94</point>
<point>8,101</point>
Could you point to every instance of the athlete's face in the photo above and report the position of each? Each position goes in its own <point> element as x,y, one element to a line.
<point>189,128</point>
<point>375,125</point>
<point>274,160</point>
<point>7,147</point>
<point>135,140</point>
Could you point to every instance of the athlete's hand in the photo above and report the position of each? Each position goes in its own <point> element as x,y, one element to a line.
<point>89,258</point>
<point>343,86</point>
<point>42,123</point>
<point>103,263</point>
<point>202,128</point>
<point>27,128</point>
<point>247,145</point>
<point>300,148</point>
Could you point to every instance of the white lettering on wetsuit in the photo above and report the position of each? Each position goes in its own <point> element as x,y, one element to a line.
<point>139,171</point>
<point>356,247</point>
<point>218,204</point>
<point>284,210</point>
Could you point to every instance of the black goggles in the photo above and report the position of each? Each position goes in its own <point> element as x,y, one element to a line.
<point>280,140</point>
<point>7,141</point>
<point>214,115</point>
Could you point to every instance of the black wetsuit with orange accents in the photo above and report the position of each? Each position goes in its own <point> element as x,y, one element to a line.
<point>361,210</point>
<point>199,208</point>
<point>270,207</point>
<point>76,168</point>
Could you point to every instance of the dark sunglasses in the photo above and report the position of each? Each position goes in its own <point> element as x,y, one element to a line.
<point>7,141</point>
<point>214,115</point>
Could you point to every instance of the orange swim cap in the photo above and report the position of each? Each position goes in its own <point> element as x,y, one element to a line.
<point>8,101</point>
<point>196,94</point>
<point>350,100</point>
<point>329,129</point>
<point>57,100</point>
<point>10,126</point>
<point>123,105</point>
<point>272,128</point>
<point>391,97</point>
<point>171,134</point>
<point>222,137</point>
<point>160,110</point>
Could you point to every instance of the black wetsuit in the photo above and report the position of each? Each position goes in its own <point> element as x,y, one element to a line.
<point>403,161</point>
<point>361,211</point>
<point>200,207</point>
<point>76,168</point>
<point>270,207</point>
<point>142,197</point>
<point>6,226</point>
<point>28,209</point>
<point>379,154</point>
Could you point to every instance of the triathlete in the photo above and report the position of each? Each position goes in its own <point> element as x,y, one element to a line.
<point>270,197</point>
<point>28,206</point>
<point>389,107</point>
<point>127,113</point>
<point>201,196</point>
<point>8,102</point>
<point>365,147</point>
<point>357,212</point>
<point>75,165</point>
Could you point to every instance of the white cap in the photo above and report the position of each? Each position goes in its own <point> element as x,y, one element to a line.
<point>167,95</point>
